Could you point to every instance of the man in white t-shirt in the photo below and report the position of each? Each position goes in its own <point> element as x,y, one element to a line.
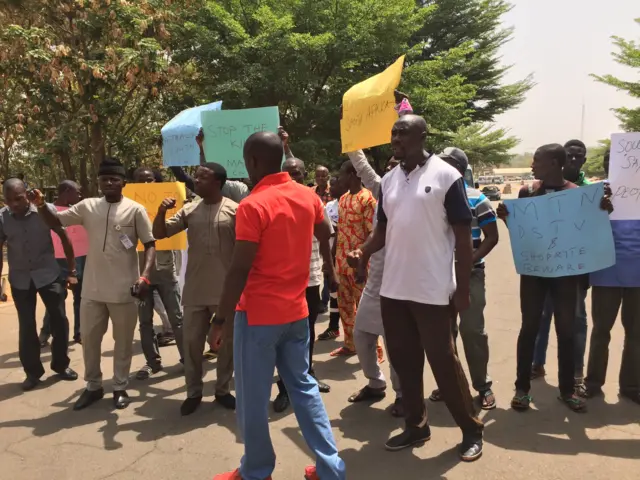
<point>424,221</point>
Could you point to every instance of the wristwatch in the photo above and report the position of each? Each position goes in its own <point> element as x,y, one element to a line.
<point>216,321</point>
<point>73,273</point>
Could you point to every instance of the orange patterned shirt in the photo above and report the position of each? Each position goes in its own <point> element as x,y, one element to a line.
<point>355,223</point>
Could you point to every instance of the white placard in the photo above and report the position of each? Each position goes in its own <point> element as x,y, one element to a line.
<point>624,175</point>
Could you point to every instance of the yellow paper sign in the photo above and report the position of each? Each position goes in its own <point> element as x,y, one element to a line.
<point>367,110</point>
<point>150,196</point>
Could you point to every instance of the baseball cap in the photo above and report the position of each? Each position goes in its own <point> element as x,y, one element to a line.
<point>458,158</point>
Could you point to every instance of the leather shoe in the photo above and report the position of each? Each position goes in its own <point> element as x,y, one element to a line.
<point>190,405</point>
<point>470,449</point>
<point>121,399</point>
<point>30,383</point>
<point>281,403</point>
<point>67,374</point>
<point>88,397</point>
<point>228,401</point>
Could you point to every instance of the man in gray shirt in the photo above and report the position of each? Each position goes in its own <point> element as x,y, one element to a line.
<point>33,270</point>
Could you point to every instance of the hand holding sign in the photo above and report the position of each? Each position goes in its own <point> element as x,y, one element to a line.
<point>624,175</point>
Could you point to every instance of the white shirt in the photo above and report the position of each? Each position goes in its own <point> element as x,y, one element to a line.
<point>419,209</point>
<point>316,277</point>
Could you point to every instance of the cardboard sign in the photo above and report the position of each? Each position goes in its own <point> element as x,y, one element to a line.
<point>150,196</point>
<point>226,131</point>
<point>624,176</point>
<point>367,110</point>
<point>179,146</point>
<point>561,234</point>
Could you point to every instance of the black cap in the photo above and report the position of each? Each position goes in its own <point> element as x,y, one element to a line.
<point>456,157</point>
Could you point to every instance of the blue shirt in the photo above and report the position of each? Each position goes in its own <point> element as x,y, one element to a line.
<point>483,214</point>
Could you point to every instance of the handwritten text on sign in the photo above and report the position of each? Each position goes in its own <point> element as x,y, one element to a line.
<point>367,110</point>
<point>624,175</point>
<point>226,132</point>
<point>561,234</point>
<point>150,196</point>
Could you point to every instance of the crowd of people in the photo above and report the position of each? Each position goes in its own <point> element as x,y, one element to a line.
<point>395,259</point>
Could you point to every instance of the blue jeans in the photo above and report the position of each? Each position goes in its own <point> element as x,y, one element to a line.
<point>542,341</point>
<point>45,331</point>
<point>257,351</point>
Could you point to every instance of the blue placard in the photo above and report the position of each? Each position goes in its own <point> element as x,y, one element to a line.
<point>179,146</point>
<point>561,234</point>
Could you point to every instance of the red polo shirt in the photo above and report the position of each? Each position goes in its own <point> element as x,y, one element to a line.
<point>279,216</point>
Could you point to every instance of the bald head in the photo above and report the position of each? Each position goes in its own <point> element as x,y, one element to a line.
<point>263,152</point>
<point>68,193</point>
<point>296,169</point>
<point>408,137</point>
<point>15,196</point>
<point>13,185</point>
<point>322,177</point>
<point>413,122</point>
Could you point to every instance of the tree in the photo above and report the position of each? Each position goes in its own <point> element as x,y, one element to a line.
<point>484,145</point>
<point>628,54</point>
<point>595,158</point>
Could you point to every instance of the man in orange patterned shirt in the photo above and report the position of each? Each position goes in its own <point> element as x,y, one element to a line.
<point>356,209</point>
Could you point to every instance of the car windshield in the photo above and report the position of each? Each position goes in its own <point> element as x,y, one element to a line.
<point>490,189</point>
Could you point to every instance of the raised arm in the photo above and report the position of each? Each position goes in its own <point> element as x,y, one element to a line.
<point>160,223</point>
<point>183,176</point>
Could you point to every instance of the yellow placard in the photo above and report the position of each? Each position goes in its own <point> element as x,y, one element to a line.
<point>150,196</point>
<point>367,110</point>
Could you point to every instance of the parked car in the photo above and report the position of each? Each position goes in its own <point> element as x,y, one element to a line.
<point>492,192</point>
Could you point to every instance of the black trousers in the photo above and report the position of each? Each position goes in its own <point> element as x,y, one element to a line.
<point>52,296</point>
<point>313,303</point>
<point>563,292</point>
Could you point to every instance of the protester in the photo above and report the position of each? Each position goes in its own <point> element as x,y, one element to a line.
<point>112,280</point>
<point>615,286</point>
<point>269,276</point>
<point>472,325</point>
<point>68,195</point>
<point>322,184</point>
<point>423,219</point>
<point>33,271</point>
<point>164,281</point>
<point>296,169</point>
<point>369,326</point>
<point>355,223</point>
<point>547,167</point>
<point>332,211</point>
<point>210,226</point>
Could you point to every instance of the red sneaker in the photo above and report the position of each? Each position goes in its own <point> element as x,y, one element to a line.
<point>311,474</point>
<point>235,475</point>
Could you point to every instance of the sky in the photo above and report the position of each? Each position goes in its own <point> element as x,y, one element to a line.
<point>561,42</point>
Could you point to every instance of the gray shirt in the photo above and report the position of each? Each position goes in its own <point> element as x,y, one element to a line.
<point>29,249</point>
<point>235,190</point>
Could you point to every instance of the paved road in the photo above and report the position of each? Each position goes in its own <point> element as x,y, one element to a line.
<point>40,437</point>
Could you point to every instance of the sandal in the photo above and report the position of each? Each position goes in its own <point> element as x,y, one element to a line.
<point>521,403</point>
<point>368,393</point>
<point>435,396</point>
<point>581,390</point>
<point>343,352</point>
<point>488,399</point>
<point>574,402</point>
<point>397,410</point>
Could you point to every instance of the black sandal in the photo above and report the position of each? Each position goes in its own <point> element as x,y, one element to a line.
<point>435,396</point>
<point>488,399</point>
<point>368,393</point>
<point>574,402</point>
<point>521,403</point>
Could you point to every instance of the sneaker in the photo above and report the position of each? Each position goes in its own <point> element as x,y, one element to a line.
<point>329,334</point>
<point>311,474</point>
<point>470,449</point>
<point>145,372</point>
<point>411,436</point>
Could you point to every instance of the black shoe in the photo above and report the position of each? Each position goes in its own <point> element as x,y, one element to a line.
<point>30,383</point>
<point>44,343</point>
<point>329,334</point>
<point>323,309</point>
<point>228,401</point>
<point>88,397</point>
<point>145,372</point>
<point>121,399</point>
<point>323,387</point>
<point>190,405</point>
<point>411,436</point>
<point>67,374</point>
<point>470,449</point>
<point>78,339</point>
<point>281,403</point>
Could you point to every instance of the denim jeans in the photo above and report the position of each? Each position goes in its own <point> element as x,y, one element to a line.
<point>258,350</point>
<point>542,340</point>
<point>45,331</point>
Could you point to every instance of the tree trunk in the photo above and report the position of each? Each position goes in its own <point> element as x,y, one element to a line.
<point>97,152</point>
<point>84,178</point>
<point>67,167</point>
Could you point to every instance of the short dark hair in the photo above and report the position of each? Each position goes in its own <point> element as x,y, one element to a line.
<point>66,185</point>
<point>575,143</point>
<point>219,172</point>
<point>158,175</point>
<point>554,151</point>
<point>349,168</point>
<point>11,183</point>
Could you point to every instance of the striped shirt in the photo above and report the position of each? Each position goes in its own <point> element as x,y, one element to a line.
<point>483,214</point>
<point>316,276</point>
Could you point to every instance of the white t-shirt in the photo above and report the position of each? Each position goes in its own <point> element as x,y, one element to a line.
<point>419,209</point>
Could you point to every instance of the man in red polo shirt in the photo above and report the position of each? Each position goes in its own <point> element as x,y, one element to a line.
<point>267,281</point>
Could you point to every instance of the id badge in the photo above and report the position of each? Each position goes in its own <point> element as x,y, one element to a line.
<point>126,241</point>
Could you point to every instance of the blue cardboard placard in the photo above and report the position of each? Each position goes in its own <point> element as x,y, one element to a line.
<point>179,146</point>
<point>561,234</point>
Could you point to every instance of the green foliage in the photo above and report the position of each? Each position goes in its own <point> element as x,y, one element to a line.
<point>595,158</point>
<point>628,54</point>
<point>484,145</point>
